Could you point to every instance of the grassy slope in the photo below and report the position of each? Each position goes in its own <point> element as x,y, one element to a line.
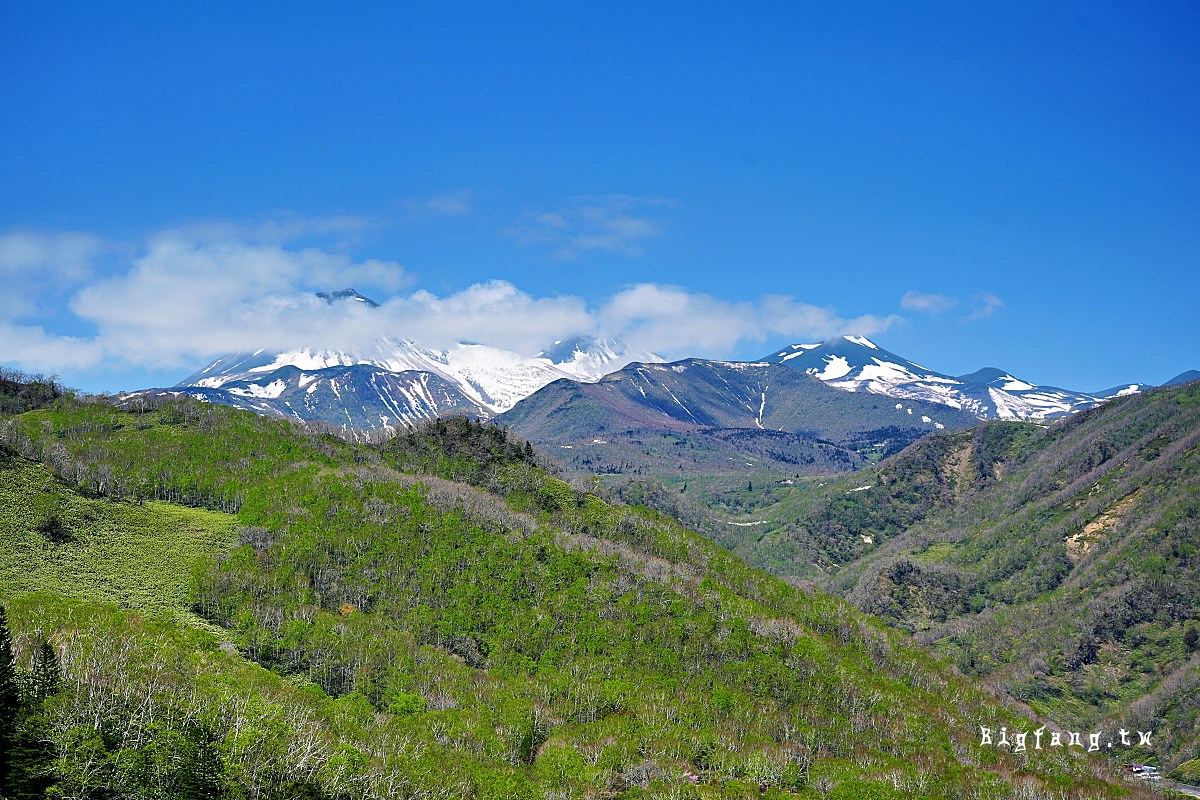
<point>628,630</point>
<point>136,556</point>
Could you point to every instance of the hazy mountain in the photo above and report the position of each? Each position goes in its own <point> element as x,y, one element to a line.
<point>1184,377</point>
<point>358,396</point>
<point>397,381</point>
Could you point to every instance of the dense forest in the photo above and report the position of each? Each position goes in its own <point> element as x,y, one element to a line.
<point>206,603</point>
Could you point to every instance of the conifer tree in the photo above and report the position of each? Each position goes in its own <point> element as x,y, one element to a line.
<point>47,675</point>
<point>10,701</point>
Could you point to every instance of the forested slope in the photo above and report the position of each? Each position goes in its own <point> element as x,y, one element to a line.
<point>390,634</point>
<point>1060,562</point>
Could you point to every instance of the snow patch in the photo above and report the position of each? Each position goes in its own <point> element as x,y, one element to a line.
<point>835,367</point>
<point>1015,384</point>
<point>272,390</point>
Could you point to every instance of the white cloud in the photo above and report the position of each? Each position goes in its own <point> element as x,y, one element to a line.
<point>495,313</point>
<point>186,297</point>
<point>192,293</point>
<point>451,205</point>
<point>927,303</point>
<point>35,349</point>
<point>36,266</point>
<point>677,322</point>
<point>986,304</point>
<point>617,223</point>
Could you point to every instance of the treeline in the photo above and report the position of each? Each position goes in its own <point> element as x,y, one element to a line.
<point>20,392</point>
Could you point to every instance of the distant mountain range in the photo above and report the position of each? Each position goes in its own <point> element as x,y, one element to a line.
<point>397,382</point>
<point>856,364</point>
<point>720,416</point>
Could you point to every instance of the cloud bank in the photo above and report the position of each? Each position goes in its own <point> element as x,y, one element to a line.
<point>186,295</point>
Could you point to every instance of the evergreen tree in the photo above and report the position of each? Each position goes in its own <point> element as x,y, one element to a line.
<point>47,675</point>
<point>199,759</point>
<point>10,701</point>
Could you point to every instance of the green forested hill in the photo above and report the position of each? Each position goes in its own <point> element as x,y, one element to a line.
<point>371,632</point>
<point>1060,562</point>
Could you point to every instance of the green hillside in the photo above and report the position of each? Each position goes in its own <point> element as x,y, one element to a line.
<point>1058,562</point>
<point>136,555</point>
<point>384,634</point>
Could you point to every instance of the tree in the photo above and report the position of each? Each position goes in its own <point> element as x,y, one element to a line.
<point>10,701</point>
<point>47,675</point>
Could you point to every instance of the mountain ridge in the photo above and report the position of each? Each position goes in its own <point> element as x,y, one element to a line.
<point>477,379</point>
<point>1057,560</point>
<point>855,363</point>
<point>699,416</point>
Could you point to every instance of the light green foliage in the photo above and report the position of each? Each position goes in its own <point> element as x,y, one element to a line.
<point>1188,771</point>
<point>557,646</point>
<point>136,555</point>
<point>1060,561</point>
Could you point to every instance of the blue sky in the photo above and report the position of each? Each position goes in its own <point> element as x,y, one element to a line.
<point>969,184</point>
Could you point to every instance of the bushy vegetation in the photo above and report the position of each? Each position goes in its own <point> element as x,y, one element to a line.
<point>20,392</point>
<point>1058,561</point>
<point>377,633</point>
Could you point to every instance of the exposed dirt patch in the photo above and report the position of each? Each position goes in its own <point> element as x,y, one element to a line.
<point>1078,544</point>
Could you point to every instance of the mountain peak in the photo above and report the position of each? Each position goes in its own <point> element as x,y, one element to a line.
<point>861,340</point>
<point>856,364</point>
<point>347,294</point>
<point>984,375</point>
<point>1184,377</point>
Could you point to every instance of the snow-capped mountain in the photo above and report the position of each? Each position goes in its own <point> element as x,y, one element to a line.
<point>492,379</point>
<point>397,381</point>
<point>360,396</point>
<point>856,364</point>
